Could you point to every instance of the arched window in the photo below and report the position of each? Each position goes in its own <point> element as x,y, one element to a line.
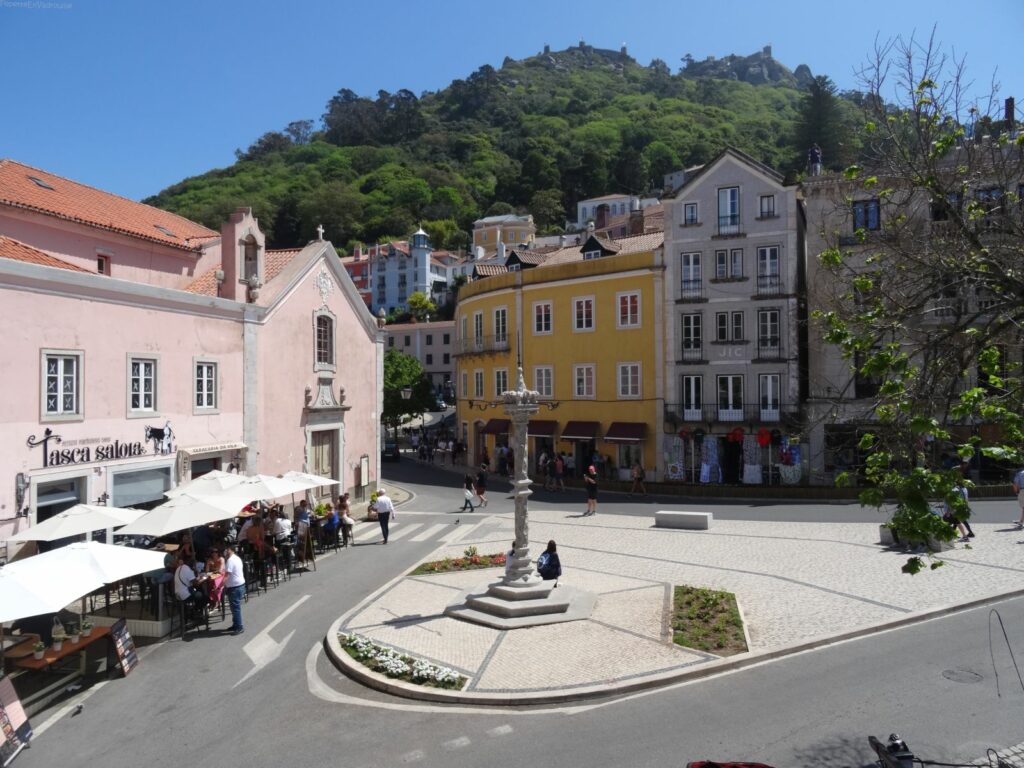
<point>324,341</point>
<point>250,258</point>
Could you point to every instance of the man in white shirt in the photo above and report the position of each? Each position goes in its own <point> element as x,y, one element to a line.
<point>385,512</point>
<point>282,528</point>
<point>184,575</point>
<point>234,587</point>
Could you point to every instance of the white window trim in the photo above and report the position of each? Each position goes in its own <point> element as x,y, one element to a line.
<point>618,310</point>
<point>332,367</point>
<point>198,410</point>
<point>551,317</point>
<point>79,414</point>
<point>465,384</point>
<point>593,381</point>
<point>494,323</point>
<point>141,413</point>
<point>478,378</point>
<point>639,380</point>
<point>498,391</point>
<point>593,314</point>
<point>551,380</point>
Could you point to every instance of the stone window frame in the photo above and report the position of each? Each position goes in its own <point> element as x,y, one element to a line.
<point>206,410</point>
<point>331,367</point>
<point>79,413</point>
<point>142,413</point>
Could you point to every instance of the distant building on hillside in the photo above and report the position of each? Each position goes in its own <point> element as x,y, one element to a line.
<point>613,205</point>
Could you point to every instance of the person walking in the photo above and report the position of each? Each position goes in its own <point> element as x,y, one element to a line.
<point>385,512</point>
<point>559,481</point>
<point>548,565</point>
<point>590,480</point>
<point>950,516</point>
<point>234,588</point>
<point>467,490</point>
<point>638,479</point>
<point>481,485</point>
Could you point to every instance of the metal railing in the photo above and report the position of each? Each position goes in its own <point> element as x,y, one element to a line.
<point>729,224</point>
<point>479,345</point>
<point>769,285</point>
<point>769,348</point>
<point>691,290</point>
<point>766,412</point>
<point>692,352</point>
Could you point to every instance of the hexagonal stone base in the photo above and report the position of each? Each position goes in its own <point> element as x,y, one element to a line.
<point>482,606</point>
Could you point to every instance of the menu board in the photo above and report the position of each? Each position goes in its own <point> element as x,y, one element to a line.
<point>125,646</point>
<point>13,722</point>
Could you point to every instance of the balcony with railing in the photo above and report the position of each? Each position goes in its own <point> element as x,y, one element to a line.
<point>691,291</point>
<point>729,226</point>
<point>769,286</point>
<point>480,345</point>
<point>766,412</point>
<point>692,352</point>
<point>769,348</point>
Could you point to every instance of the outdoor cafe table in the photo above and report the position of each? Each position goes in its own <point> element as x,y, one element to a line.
<point>51,656</point>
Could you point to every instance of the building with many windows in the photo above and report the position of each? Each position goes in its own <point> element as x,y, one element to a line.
<point>587,322</point>
<point>510,229</point>
<point>143,350</point>
<point>734,333</point>
<point>431,343</point>
<point>401,268</point>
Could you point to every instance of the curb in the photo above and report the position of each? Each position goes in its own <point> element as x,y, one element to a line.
<point>361,674</point>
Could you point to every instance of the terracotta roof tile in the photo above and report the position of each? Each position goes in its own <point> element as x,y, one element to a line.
<point>22,186</point>
<point>18,251</point>
<point>274,263</point>
<point>625,245</point>
<point>486,270</point>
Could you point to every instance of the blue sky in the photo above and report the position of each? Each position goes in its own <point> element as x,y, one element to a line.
<point>134,96</point>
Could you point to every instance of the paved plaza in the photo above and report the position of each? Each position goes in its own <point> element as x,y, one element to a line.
<point>798,585</point>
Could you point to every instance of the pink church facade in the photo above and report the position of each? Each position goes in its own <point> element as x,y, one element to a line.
<point>141,350</point>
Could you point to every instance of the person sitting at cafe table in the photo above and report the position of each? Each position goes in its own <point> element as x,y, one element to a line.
<point>302,512</point>
<point>282,527</point>
<point>213,577</point>
<point>346,521</point>
<point>331,522</point>
<point>185,588</point>
<point>260,549</point>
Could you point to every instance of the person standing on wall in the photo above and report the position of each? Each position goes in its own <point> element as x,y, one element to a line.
<point>234,588</point>
<point>385,512</point>
<point>590,480</point>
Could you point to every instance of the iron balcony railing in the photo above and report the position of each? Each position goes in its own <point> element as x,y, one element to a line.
<point>479,345</point>
<point>769,348</point>
<point>765,412</point>
<point>729,224</point>
<point>692,352</point>
<point>691,290</point>
<point>769,285</point>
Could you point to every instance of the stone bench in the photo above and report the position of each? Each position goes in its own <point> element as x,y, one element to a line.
<point>696,521</point>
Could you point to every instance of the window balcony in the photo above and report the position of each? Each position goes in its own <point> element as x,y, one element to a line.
<point>768,286</point>
<point>769,348</point>
<point>729,226</point>
<point>692,352</point>
<point>480,345</point>
<point>767,411</point>
<point>691,291</point>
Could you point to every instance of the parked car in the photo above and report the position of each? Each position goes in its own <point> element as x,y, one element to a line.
<point>390,452</point>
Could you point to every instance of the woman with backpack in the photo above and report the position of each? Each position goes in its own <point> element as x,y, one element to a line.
<point>548,565</point>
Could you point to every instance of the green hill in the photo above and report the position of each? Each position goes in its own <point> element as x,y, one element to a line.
<point>535,135</point>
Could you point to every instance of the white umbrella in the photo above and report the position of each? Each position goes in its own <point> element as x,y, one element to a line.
<point>46,583</point>
<point>79,519</point>
<point>183,512</point>
<point>212,482</point>
<point>258,488</point>
<point>311,481</point>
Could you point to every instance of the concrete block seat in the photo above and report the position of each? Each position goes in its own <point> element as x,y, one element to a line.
<point>674,518</point>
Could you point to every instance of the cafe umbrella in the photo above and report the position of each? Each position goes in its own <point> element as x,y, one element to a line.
<point>183,512</point>
<point>212,482</point>
<point>79,519</point>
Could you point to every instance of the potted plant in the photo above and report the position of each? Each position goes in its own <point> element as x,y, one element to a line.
<point>38,649</point>
<point>73,633</point>
<point>86,628</point>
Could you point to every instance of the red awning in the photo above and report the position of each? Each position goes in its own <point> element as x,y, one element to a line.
<point>625,432</point>
<point>541,428</point>
<point>580,430</point>
<point>496,427</point>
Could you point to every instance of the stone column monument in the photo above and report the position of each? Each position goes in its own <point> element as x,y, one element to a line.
<point>521,598</point>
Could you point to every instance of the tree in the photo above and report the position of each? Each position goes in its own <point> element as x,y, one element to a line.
<point>547,209</point>
<point>820,122</point>
<point>402,371</point>
<point>930,296</point>
<point>300,131</point>
<point>420,306</point>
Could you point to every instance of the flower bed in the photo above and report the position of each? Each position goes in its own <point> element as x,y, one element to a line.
<point>470,560</point>
<point>390,662</point>
<point>707,620</point>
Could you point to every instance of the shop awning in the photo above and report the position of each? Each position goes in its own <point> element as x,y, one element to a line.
<point>541,428</point>
<point>625,432</point>
<point>580,430</point>
<point>496,427</point>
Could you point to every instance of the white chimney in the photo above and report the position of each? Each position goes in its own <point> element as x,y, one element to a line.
<point>501,250</point>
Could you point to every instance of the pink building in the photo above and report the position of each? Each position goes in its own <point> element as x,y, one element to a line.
<point>141,350</point>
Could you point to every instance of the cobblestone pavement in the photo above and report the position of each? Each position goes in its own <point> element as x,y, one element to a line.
<point>795,582</point>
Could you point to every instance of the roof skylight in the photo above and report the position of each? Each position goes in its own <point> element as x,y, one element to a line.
<point>40,182</point>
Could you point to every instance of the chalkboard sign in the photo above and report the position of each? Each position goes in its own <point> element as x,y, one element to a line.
<point>125,646</point>
<point>13,722</point>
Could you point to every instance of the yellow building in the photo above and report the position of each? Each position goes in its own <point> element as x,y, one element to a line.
<point>589,322</point>
<point>511,229</point>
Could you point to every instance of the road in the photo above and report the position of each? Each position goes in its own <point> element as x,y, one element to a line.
<point>270,697</point>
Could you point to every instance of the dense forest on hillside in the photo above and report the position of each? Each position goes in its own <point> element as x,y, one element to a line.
<point>535,136</point>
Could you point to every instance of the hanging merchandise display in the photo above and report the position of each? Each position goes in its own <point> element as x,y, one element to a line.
<point>751,461</point>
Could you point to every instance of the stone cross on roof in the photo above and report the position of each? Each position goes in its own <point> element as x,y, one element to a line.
<point>319,231</point>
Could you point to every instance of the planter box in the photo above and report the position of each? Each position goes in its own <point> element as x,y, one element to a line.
<point>887,536</point>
